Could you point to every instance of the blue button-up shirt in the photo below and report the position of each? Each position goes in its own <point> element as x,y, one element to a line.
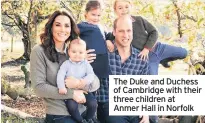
<point>132,66</point>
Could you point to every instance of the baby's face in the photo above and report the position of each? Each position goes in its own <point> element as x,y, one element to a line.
<point>77,52</point>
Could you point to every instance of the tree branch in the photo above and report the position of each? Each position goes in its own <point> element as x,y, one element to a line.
<point>10,25</point>
<point>79,13</point>
<point>16,112</point>
<point>29,16</point>
<point>19,22</point>
<point>178,16</point>
<point>188,17</point>
<point>13,19</point>
<point>6,14</point>
<point>64,6</point>
<point>41,18</point>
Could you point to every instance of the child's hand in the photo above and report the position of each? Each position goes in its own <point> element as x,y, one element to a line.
<point>62,91</point>
<point>144,54</point>
<point>110,45</point>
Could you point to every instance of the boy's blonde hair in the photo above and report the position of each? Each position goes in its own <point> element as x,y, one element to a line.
<point>115,2</point>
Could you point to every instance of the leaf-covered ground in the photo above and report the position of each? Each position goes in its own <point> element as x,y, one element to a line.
<point>33,106</point>
<point>11,73</point>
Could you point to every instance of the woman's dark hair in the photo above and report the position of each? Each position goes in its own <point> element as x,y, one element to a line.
<point>47,37</point>
<point>92,5</point>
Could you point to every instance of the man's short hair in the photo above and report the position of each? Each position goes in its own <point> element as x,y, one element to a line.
<point>122,17</point>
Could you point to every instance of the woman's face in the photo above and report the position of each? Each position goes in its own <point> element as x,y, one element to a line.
<point>122,8</point>
<point>61,28</point>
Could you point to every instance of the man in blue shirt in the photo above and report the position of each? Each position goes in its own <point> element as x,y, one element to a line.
<point>123,61</point>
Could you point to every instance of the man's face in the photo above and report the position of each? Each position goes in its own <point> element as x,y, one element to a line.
<point>123,32</point>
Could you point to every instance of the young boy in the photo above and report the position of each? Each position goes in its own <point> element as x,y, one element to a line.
<point>78,68</point>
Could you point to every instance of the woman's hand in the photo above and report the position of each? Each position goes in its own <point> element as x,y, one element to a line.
<point>72,82</point>
<point>62,91</point>
<point>78,96</point>
<point>145,119</point>
<point>90,56</point>
<point>144,54</point>
<point>82,84</point>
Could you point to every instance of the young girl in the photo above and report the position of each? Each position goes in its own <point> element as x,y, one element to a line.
<point>95,37</point>
<point>144,38</point>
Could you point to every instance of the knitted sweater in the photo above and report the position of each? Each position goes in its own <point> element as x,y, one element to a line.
<point>43,79</point>
<point>144,33</point>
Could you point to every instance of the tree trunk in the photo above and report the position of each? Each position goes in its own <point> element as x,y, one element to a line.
<point>14,93</point>
<point>12,43</point>
<point>27,76</point>
<point>27,50</point>
<point>18,116</point>
<point>30,35</point>
<point>16,112</point>
<point>6,89</point>
<point>33,33</point>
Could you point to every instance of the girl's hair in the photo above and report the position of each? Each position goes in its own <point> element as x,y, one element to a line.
<point>47,36</point>
<point>115,2</point>
<point>91,5</point>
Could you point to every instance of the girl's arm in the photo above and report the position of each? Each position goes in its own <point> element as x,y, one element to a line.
<point>152,34</point>
<point>110,41</point>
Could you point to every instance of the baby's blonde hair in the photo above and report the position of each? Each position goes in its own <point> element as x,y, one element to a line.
<point>77,41</point>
